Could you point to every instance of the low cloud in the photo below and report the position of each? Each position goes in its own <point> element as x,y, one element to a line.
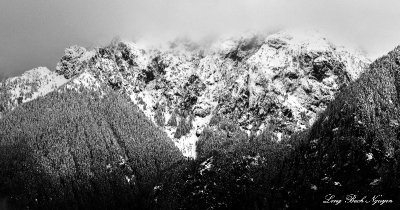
<point>35,33</point>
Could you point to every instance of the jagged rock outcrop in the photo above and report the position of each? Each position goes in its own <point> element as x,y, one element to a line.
<point>73,62</point>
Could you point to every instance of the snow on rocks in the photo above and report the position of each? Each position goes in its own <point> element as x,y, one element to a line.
<point>206,165</point>
<point>259,81</point>
<point>30,85</point>
<point>299,73</point>
<point>279,81</point>
<point>85,80</point>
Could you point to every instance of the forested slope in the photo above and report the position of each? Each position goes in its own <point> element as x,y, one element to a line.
<point>71,150</point>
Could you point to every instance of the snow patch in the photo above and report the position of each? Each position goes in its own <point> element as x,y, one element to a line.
<point>187,143</point>
<point>207,165</point>
<point>86,80</point>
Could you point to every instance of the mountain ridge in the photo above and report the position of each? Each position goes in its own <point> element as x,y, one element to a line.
<point>243,78</point>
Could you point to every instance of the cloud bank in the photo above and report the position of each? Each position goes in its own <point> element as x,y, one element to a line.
<point>35,33</point>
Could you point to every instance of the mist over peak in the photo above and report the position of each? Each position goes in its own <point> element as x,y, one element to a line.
<point>36,33</point>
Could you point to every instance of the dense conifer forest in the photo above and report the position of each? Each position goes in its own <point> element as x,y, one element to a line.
<point>75,150</point>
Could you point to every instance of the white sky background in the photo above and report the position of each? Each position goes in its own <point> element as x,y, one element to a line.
<point>36,32</point>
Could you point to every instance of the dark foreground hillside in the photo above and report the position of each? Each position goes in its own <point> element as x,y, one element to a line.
<point>81,151</point>
<point>354,146</point>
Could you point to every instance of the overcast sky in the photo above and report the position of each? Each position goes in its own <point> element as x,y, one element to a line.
<point>35,32</point>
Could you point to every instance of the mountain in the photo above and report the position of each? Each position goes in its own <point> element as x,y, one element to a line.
<point>276,81</point>
<point>109,127</point>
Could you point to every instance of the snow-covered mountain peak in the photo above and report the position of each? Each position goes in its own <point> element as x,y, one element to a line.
<point>259,81</point>
<point>29,86</point>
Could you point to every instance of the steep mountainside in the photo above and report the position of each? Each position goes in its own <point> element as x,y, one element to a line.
<point>277,82</point>
<point>354,146</point>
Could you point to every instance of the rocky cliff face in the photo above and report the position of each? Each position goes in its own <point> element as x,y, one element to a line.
<point>278,82</point>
